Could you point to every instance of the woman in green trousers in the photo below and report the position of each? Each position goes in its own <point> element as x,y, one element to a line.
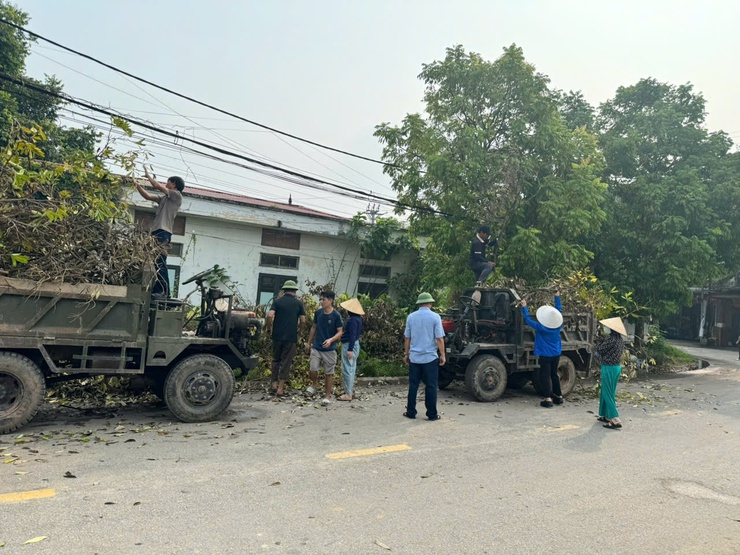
<point>608,350</point>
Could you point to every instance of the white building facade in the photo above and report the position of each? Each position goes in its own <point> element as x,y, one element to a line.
<point>260,244</point>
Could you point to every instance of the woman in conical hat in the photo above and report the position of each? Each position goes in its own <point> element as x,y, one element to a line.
<point>608,349</point>
<point>547,348</point>
<point>351,346</point>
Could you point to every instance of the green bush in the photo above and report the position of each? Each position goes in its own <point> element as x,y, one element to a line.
<point>665,355</point>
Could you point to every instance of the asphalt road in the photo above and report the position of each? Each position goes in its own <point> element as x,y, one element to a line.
<point>293,477</point>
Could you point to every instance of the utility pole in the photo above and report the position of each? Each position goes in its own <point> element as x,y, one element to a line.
<point>373,211</point>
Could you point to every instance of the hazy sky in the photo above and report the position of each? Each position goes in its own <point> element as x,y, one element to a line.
<point>332,70</point>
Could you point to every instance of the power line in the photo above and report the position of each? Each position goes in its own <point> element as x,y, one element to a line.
<point>194,100</point>
<point>104,125</point>
<point>89,106</point>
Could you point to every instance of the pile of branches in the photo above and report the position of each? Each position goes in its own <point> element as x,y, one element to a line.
<point>74,249</point>
<point>573,296</point>
<point>60,226</point>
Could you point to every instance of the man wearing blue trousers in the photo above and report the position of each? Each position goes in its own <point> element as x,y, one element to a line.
<point>424,352</point>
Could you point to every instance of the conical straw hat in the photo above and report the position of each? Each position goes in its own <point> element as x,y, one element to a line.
<point>352,305</point>
<point>614,324</point>
<point>550,317</point>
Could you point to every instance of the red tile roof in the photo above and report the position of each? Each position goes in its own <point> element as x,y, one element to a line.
<point>199,192</point>
<point>251,201</point>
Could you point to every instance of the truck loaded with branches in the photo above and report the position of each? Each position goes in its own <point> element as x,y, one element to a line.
<point>75,292</point>
<point>491,348</point>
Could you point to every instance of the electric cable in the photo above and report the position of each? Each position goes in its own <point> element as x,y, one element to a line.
<point>194,100</point>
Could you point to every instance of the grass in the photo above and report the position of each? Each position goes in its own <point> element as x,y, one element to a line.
<point>377,368</point>
<point>667,355</point>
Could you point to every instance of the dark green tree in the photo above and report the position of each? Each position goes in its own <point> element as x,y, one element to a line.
<point>672,195</point>
<point>493,148</point>
<point>18,103</point>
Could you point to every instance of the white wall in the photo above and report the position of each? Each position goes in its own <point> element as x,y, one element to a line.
<point>230,235</point>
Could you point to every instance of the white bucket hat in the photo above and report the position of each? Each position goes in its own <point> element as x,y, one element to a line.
<point>550,317</point>
<point>614,324</point>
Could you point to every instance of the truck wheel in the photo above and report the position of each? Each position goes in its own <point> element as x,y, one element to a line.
<point>567,375</point>
<point>22,391</point>
<point>485,378</point>
<point>199,388</point>
<point>518,380</point>
<point>445,379</point>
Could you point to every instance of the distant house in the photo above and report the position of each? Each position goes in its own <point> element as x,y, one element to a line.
<point>714,317</point>
<point>262,243</point>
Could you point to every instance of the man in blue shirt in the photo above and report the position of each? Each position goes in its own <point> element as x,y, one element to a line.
<point>424,338</point>
<point>326,331</point>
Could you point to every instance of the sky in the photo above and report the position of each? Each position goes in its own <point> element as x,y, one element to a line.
<point>330,71</point>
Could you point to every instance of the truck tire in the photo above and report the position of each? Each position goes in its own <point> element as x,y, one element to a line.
<point>445,378</point>
<point>199,388</point>
<point>485,378</point>
<point>566,373</point>
<point>22,391</point>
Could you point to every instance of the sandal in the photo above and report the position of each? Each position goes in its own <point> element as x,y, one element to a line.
<point>406,414</point>
<point>345,397</point>
<point>545,403</point>
<point>557,400</point>
<point>602,419</point>
<point>612,425</point>
<point>433,418</point>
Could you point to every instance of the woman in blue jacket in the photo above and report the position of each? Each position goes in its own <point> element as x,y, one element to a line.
<point>547,347</point>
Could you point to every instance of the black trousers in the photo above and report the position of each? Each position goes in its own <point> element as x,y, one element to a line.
<point>547,376</point>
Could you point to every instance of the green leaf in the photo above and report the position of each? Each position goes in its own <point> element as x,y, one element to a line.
<point>16,259</point>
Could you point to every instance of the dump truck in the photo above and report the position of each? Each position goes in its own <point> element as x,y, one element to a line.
<point>51,332</point>
<point>488,344</point>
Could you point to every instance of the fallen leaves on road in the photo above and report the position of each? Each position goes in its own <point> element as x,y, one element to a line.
<point>35,540</point>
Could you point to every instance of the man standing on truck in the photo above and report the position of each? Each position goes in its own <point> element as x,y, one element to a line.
<point>164,219</point>
<point>480,265</point>
<point>424,338</point>
<point>286,318</point>
<point>326,331</point>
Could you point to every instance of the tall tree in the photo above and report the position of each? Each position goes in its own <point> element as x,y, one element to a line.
<point>668,226</point>
<point>27,106</point>
<point>493,148</point>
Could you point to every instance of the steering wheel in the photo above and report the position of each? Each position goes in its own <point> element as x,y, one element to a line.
<point>469,302</point>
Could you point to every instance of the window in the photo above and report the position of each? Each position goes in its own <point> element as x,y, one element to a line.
<point>372,290</point>
<point>174,273</point>
<point>281,239</point>
<point>278,261</point>
<point>268,286</point>
<point>367,270</point>
<point>175,250</point>
<point>144,220</point>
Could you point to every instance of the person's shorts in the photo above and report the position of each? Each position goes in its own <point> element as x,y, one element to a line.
<point>325,359</point>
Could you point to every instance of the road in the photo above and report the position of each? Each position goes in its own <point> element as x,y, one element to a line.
<point>292,477</point>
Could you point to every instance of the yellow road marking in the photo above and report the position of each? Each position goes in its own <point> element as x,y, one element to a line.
<point>19,496</point>
<point>363,452</point>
